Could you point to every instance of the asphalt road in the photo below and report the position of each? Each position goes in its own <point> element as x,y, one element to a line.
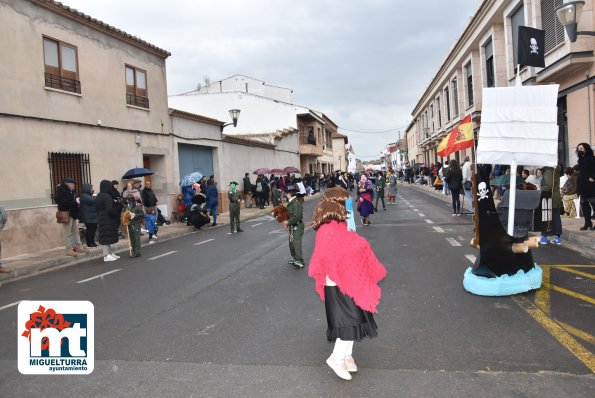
<point>214,314</point>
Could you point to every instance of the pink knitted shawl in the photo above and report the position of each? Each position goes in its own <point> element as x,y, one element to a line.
<point>349,261</point>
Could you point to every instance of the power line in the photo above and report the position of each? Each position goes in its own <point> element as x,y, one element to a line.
<point>374,132</point>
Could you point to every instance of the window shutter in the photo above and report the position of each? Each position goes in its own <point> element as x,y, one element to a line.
<point>554,31</point>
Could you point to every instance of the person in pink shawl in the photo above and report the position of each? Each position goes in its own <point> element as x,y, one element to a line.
<point>347,273</point>
<point>365,193</point>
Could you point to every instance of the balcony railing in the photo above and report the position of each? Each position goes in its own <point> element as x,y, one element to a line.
<point>137,100</point>
<point>62,83</point>
<point>306,138</point>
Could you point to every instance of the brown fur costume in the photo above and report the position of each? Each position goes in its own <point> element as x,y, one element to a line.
<point>281,213</point>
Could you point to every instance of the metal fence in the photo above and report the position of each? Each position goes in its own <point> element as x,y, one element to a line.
<point>68,165</point>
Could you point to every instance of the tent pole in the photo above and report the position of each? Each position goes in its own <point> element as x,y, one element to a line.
<point>512,198</point>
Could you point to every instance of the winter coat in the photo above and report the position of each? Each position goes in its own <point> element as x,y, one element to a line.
<point>550,184</point>
<point>149,198</point>
<point>88,210</point>
<point>454,180</point>
<point>66,200</point>
<point>212,196</point>
<point>247,185</point>
<point>586,166</point>
<point>108,216</point>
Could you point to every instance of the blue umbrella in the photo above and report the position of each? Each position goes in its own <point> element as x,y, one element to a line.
<point>137,172</point>
<point>191,179</point>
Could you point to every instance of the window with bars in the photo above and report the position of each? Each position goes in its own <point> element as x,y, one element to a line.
<point>61,65</point>
<point>554,31</point>
<point>136,87</point>
<point>469,75</point>
<point>68,165</point>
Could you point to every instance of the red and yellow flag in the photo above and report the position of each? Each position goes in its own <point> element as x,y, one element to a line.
<point>461,137</point>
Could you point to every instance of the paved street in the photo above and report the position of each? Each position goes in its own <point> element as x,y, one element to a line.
<point>214,314</point>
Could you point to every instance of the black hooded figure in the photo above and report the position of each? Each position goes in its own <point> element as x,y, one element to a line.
<point>108,214</point>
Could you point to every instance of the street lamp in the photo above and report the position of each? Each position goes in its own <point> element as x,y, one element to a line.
<point>569,14</point>
<point>235,114</point>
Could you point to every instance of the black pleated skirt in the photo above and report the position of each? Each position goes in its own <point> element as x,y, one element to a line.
<point>345,319</point>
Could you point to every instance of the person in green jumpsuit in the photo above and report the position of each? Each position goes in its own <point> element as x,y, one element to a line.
<point>295,227</point>
<point>136,217</point>
<point>234,207</point>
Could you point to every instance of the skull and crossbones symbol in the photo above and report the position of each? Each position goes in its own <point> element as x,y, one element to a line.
<point>534,46</point>
<point>482,191</point>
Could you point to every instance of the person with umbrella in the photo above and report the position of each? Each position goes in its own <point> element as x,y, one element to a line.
<point>234,207</point>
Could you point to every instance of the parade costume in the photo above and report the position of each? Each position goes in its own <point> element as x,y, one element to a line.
<point>365,193</point>
<point>133,217</point>
<point>234,207</point>
<point>380,183</point>
<point>392,188</point>
<point>295,226</point>
<point>347,273</point>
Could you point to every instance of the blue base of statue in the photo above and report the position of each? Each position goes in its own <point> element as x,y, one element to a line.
<point>505,285</point>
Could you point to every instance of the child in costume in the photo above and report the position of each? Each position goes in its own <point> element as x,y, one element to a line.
<point>347,273</point>
<point>135,216</point>
<point>151,223</point>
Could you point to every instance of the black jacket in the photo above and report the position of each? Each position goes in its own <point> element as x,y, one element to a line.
<point>454,180</point>
<point>586,167</point>
<point>87,210</point>
<point>108,215</point>
<point>247,184</point>
<point>149,198</point>
<point>66,200</point>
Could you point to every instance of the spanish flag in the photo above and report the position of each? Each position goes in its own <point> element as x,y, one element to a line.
<point>461,137</point>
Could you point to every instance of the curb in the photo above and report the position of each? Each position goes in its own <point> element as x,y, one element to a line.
<point>67,261</point>
<point>576,242</point>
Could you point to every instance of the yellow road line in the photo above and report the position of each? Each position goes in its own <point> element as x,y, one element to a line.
<point>542,296</point>
<point>581,334</point>
<point>580,352</point>
<point>570,293</point>
<point>573,271</point>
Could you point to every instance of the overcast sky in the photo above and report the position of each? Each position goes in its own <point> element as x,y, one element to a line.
<point>364,63</point>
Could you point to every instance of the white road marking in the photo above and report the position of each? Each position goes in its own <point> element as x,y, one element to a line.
<point>453,241</point>
<point>162,255</point>
<point>415,209</point>
<point>229,233</point>
<point>421,214</point>
<point>470,257</point>
<point>429,221</point>
<point>438,229</point>
<point>99,276</point>
<point>278,231</point>
<point>10,305</point>
<point>461,238</point>
<point>256,225</point>
<point>204,241</point>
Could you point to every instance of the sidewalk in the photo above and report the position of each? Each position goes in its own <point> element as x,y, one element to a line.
<point>572,236</point>
<point>32,263</point>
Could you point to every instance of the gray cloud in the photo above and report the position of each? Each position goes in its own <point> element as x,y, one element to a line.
<point>363,63</point>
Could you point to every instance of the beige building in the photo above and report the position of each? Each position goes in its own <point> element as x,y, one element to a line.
<point>485,56</point>
<point>340,153</point>
<point>79,99</point>
<point>85,100</point>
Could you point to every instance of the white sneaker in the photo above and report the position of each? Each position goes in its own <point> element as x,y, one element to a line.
<point>109,258</point>
<point>340,368</point>
<point>154,237</point>
<point>114,255</point>
<point>350,362</point>
<point>151,241</point>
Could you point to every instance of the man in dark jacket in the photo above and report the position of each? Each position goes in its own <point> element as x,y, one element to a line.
<point>586,182</point>
<point>88,214</point>
<point>66,200</point>
<point>247,189</point>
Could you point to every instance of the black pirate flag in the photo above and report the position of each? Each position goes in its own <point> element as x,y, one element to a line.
<point>531,47</point>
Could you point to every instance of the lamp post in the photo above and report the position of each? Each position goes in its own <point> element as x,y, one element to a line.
<point>235,114</point>
<point>569,14</point>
